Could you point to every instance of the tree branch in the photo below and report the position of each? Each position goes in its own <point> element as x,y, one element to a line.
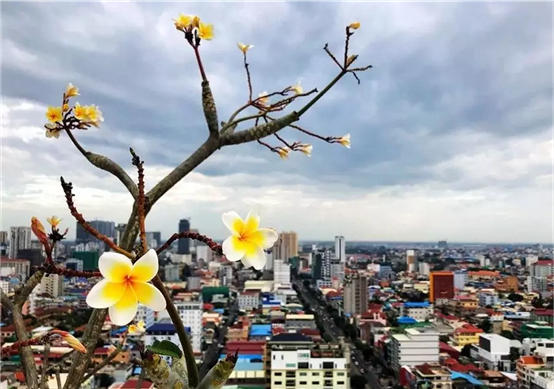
<point>259,132</point>
<point>210,110</point>
<point>106,361</point>
<point>26,353</point>
<point>23,293</point>
<point>190,235</point>
<point>5,301</point>
<point>44,376</point>
<point>106,164</point>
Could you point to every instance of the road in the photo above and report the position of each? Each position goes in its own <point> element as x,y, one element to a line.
<point>359,365</point>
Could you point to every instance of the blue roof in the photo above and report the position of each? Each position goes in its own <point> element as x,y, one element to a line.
<point>260,330</point>
<point>245,356</point>
<point>406,320</point>
<point>164,327</point>
<point>424,304</point>
<point>470,378</point>
<point>219,310</point>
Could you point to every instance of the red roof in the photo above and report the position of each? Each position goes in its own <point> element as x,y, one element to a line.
<point>544,262</point>
<point>468,329</point>
<point>132,384</point>
<point>544,312</point>
<point>245,347</point>
<point>530,360</point>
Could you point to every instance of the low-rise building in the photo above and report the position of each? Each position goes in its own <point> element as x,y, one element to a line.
<point>414,346</point>
<point>467,334</point>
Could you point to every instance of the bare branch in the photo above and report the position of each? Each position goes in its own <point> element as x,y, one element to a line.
<point>105,362</point>
<point>68,190</point>
<point>210,110</point>
<point>44,377</point>
<point>23,293</point>
<point>27,358</point>
<point>5,301</point>
<point>259,132</point>
<point>58,378</point>
<point>141,201</point>
<point>326,48</point>
<point>191,235</point>
<point>248,78</point>
<point>106,164</point>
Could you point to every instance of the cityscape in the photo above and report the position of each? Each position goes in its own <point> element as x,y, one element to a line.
<point>392,162</point>
<point>340,314</point>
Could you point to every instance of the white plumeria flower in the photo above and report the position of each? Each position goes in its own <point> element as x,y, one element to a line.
<point>248,241</point>
<point>345,141</point>
<point>125,285</point>
<point>297,88</point>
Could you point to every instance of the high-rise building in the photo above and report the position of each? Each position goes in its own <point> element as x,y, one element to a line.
<point>539,272</point>
<point>441,286</point>
<point>460,279</point>
<point>3,237</point>
<point>281,272</point>
<point>191,315</point>
<point>355,294</point>
<point>119,230</point>
<point>340,248</point>
<point>411,261</point>
<point>52,284</point>
<point>106,228</point>
<point>20,239</point>
<point>183,246</point>
<point>286,246</point>
<point>415,346</point>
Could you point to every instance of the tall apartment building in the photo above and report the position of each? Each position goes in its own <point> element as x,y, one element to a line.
<point>321,269</point>
<point>294,361</point>
<point>146,315</point>
<point>538,274</point>
<point>340,248</point>
<point>52,284</point>
<point>460,279</point>
<point>183,245</point>
<point>20,239</point>
<point>203,251</point>
<point>21,267</point>
<point>337,273</point>
<point>286,246</point>
<point>355,294</point>
<point>191,315</point>
<point>411,261</point>
<point>226,275</point>
<point>153,239</point>
<point>441,286</point>
<point>3,237</point>
<point>281,272</point>
<point>413,347</point>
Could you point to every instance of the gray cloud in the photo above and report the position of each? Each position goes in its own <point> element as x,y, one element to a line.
<point>451,80</point>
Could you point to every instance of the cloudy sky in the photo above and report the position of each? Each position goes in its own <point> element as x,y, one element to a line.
<point>451,130</point>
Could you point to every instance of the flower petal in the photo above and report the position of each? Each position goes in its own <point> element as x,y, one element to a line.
<point>146,267</point>
<point>255,257</point>
<point>233,222</point>
<point>263,237</point>
<point>125,310</point>
<point>114,267</point>
<point>105,294</point>
<point>149,295</point>
<point>252,222</point>
<point>233,248</point>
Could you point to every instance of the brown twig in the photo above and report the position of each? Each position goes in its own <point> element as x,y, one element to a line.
<point>271,148</point>
<point>215,247</point>
<point>46,356</point>
<point>335,60</point>
<point>141,201</point>
<point>23,293</point>
<point>51,268</point>
<point>200,65</point>
<point>68,190</point>
<point>58,378</point>
<point>105,362</point>
<point>248,78</point>
<point>290,146</point>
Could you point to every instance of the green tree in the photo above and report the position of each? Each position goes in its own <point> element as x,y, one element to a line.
<point>486,325</point>
<point>466,351</point>
<point>507,334</point>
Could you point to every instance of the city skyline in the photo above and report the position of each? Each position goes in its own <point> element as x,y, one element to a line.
<point>451,131</point>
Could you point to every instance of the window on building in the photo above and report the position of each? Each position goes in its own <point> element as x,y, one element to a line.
<point>315,382</point>
<point>315,374</point>
<point>278,373</point>
<point>303,382</point>
<point>340,382</point>
<point>278,382</point>
<point>291,383</point>
<point>303,374</point>
<point>340,374</point>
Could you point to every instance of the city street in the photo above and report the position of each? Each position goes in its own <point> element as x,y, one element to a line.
<point>358,365</point>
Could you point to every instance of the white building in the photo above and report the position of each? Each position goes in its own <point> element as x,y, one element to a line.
<point>340,248</point>
<point>146,315</point>
<point>248,300</point>
<point>460,279</point>
<point>5,286</point>
<point>281,272</point>
<point>191,315</point>
<point>226,275</point>
<point>531,259</point>
<point>411,261</point>
<point>172,272</point>
<point>20,239</point>
<point>52,284</point>
<point>494,352</point>
<point>420,311</point>
<point>415,346</point>
<point>424,269</point>
<point>488,298</point>
<point>203,251</point>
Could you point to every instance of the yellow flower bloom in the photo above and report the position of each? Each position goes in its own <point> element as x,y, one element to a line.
<point>71,91</point>
<point>306,148</point>
<point>54,114</point>
<point>345,141</point>
<point>71,340</point>
<point>355,25</point>
<point>206,31</point>
<point>244,48</point>
<point>264,100</point>
<point>297,88</point>
<point>195,23</point>
<point>65,107</point>
<point>54,221</point>
<point>183,21</point>
<point>247,241</point>
<point>283,152</point>
<point>38,230</point>
<point>94,114</point>
<point>125,285</point>
<point>80,112</point>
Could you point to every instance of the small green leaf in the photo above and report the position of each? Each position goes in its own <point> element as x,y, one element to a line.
<point>165,347</point>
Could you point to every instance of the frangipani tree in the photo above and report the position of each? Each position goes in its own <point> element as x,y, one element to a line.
<point>128,273</point>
